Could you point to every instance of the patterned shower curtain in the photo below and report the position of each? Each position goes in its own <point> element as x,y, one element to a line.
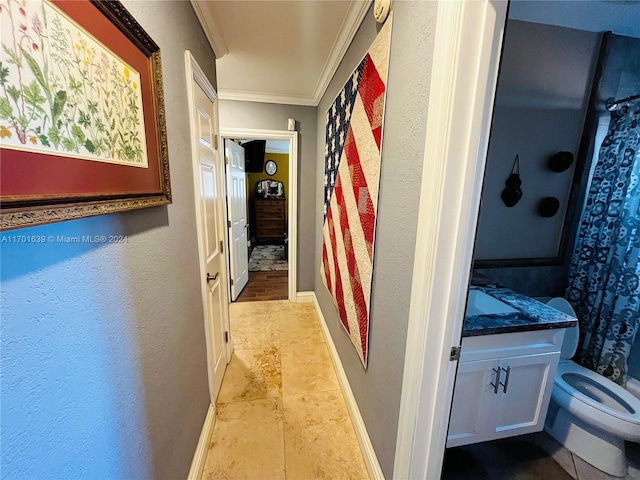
<point>604,279</point>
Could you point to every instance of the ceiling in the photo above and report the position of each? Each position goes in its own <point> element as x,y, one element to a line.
<point>619,16</point>
<point>278,51</point>
<point>564,84</point>
<point>286,52</point>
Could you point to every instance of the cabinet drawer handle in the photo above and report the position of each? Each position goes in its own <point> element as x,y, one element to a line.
<point>497,384</point>
<point>505,385</point>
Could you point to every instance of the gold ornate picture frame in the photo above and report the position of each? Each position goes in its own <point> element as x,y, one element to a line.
<point>82,117</point>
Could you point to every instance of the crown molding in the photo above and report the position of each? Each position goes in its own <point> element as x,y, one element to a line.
<point>350,25</point>
<point>281,151</point>
<point>262,97</point>
<point>210,28</point>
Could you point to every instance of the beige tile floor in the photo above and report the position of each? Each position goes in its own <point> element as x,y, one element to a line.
<point>280,411</point>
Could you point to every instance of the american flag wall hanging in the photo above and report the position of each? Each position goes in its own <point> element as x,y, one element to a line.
<point>351,179</point>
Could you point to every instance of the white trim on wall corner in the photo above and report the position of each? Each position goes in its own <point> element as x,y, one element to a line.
<point>466,56</point>
<point>200,455</point>
<point>368,453</point>
<point>305,297</point>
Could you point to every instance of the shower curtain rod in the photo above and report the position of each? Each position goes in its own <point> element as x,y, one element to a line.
<point>618,104</point>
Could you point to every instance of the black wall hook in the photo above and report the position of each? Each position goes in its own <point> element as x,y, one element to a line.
<point>548,207</point>
<point>512,192</point>
<point>560,161</point>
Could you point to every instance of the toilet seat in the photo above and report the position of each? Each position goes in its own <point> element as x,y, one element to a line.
<point>608,418</point>
<point>591,415</point>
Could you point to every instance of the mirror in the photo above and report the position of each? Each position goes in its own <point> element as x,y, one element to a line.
<point>269,189</point>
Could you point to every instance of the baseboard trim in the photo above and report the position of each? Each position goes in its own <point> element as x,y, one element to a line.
<point>368,453</point>
<point>305,297</point>
<point>200,455</point>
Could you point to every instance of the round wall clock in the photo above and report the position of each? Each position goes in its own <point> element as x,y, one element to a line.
<point>271,167</point>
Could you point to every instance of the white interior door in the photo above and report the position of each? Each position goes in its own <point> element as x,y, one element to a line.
<point>210,209</point>
<point>237,211</point>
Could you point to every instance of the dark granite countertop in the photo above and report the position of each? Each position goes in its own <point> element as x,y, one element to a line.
<point>531,314</point>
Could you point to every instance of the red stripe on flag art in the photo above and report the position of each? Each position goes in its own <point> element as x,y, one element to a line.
<point>354,125</point>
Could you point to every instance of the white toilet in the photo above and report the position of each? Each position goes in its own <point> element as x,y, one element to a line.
<point>589,414</point>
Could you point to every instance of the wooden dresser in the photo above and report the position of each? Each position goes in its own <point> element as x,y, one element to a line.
<point>270,218</point>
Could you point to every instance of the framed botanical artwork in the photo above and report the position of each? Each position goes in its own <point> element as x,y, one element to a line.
<point>82,119</point>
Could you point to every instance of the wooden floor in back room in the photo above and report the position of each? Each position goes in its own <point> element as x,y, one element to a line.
<point>264,286</point>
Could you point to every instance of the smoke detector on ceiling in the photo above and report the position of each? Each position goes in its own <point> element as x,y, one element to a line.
<point>381,10</point>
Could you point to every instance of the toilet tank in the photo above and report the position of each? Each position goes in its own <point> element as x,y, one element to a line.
<point>571,334</point>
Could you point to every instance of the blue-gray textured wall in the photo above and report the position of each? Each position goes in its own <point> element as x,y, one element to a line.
<point>103,353</point>
<point>377,390</point>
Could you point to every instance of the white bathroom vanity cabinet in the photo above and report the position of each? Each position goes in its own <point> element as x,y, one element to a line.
<point>503,385</point>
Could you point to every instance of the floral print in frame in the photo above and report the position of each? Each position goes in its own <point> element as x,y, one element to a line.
<point>62,92</point>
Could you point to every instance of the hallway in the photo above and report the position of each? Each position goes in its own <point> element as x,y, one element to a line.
<point>280,411</point>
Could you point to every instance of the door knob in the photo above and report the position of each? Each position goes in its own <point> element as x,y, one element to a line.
<point>212,277</point>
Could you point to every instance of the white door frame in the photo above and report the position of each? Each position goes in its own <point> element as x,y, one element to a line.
<point>468,40</point>
<point>292,200</point>
<point>195,73</point>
